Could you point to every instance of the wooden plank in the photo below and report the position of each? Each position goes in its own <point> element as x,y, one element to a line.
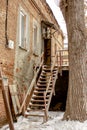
<point>13,100</point>
<point>14,96</point>
<point>12,107</point>
<point>6,102</point>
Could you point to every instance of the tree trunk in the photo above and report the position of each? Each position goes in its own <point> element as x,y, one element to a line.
<point>73,11</point>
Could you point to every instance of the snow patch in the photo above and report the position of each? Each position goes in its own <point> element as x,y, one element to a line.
<point>55,123</point>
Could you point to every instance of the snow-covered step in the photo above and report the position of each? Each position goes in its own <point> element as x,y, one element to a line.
<point>34,113</point>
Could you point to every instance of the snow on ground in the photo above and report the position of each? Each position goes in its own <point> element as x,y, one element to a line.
<point>55,123</point>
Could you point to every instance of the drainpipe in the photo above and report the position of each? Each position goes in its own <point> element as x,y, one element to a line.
<point>6,24</point>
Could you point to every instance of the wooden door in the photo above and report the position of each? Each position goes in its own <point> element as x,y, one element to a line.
<point>47,51</point>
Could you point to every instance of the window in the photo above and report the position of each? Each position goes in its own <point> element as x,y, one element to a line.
<point>23,30</point>
<point>35,37</point>
<point>36,46</point>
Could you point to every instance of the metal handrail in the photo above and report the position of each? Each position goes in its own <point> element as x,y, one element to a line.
<point>62,59</point>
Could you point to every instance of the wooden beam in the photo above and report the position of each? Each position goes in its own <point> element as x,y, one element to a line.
<point>6,103</point>
<point>14,97</point>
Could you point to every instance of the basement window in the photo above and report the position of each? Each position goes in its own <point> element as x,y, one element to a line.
<point>23,30</point>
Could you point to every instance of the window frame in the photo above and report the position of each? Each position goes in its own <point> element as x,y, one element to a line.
<point>35,46</point>
<point>25,44</point>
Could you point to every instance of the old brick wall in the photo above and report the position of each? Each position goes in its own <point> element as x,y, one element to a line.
<point>6,55</point>
<point>17,64</point>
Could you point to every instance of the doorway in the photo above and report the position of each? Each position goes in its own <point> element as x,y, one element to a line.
<point>47,52</point>
<point>58,102</point>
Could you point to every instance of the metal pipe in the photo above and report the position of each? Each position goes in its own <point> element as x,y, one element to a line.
<point>6,24</point>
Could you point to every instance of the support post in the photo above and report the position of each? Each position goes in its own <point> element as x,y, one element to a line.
<point>6,103</point>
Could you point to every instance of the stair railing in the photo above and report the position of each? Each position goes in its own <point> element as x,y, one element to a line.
<point>53,83</point>
<point>63,58</point>
<point>33,82</point>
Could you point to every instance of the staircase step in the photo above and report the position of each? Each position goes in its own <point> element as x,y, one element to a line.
<point>46,69</point>
<point>43,89</point>
<point>38,96</point>
<point>35,113</point>
<point>54,75</point>
<point>45,73</point>
<point>29,109</point>
<point>55,68</point>
<point>35,100</point>
<point>38,88</point>
<point>44,78</point>
<point>46,66</point>
<point>37,92</point>
<point>54,72</point>
<point>43,82</point>
<point>38,84</point>
<point>36,105</point>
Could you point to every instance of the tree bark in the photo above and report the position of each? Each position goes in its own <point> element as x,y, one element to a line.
<point>73,11</point>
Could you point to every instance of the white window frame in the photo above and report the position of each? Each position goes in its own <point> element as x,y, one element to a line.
<point>25,44</point>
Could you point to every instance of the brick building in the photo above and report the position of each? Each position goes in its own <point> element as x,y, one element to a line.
<point>21,41</point>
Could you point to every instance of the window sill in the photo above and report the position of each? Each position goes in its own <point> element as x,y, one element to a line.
<point>35,54</point>
<point>23,48</point>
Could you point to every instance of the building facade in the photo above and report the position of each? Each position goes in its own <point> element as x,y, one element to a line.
<point>21,41</point>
